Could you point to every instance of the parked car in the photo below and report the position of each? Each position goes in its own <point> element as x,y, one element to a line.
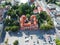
<point>51,6</point>
<point>58,28</point>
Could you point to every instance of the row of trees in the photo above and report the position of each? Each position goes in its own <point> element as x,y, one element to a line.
<point>21,9</point>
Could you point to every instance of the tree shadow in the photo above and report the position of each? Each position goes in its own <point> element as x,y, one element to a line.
<point>2,36</point>
<point>39,33</point>
<point>51,32</point>
<point>17,34</point>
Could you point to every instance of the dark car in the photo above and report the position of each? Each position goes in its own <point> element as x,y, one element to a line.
<point>58,28</point>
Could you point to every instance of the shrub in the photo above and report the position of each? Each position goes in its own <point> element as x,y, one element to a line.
<point>14,28</point>
<point>28,16</point>
<point>57,42</point>
<point>8,22</point>
<point>16,42</point>
<point>42,27</point>
<point>50,22</point>
<point>7,28</point>
<point>43,16</point>
<point>45,27</point>
<point>6,42</point>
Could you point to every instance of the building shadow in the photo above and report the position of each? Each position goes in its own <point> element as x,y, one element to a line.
<point>38,33</point>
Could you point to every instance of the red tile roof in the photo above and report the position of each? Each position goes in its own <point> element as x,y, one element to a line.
<point>29,24</point>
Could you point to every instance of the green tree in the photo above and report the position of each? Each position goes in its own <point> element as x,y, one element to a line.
<point>16,23</point>
<point>43,15</point>
<point>6,42</point>
<point>7,29</point>
<point>8,22</point>
<point>8,3</point>
<point>57,42</point>
<point>33,6</point>
<point>13,14</point>
<point>15,7</point>
<point>52,1</point>
<point>25,8</point>
<point>45,27</point>
<point>19,12</point>
<point>28,16</point>
<point>39,20</point>
<point>16,42</point>
<point>42,26</point>
<point>9,12</point>
<point>51,23</point>
<point>14,28</point>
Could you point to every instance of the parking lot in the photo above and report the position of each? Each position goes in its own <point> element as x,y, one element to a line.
<point>34,37</point>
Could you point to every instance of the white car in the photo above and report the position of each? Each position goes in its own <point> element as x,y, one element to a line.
<point>51,6</point>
